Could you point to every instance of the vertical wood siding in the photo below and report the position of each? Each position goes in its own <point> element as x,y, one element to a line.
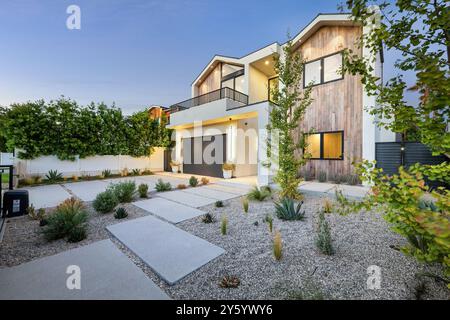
<point>337,105</point>
<point>211,82</point>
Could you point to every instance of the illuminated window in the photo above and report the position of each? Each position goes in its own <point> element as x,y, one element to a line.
<point>323,70</point>
<point>313,147</point>
<point>326,145</point>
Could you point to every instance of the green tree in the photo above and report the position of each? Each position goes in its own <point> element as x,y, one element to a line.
<point>288,109</point>
<point>420,31</point>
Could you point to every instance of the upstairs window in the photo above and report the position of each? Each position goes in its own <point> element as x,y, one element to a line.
<point>322,70</point>
<point>326,145</point>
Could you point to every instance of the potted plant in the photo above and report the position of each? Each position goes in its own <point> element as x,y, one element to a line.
<point>227,169</point>
<point>174,165</point>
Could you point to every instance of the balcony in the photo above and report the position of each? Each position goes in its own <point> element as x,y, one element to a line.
<point>210,97</point>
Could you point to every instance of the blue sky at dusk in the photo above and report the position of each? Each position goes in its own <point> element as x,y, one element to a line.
<point>134,52</point>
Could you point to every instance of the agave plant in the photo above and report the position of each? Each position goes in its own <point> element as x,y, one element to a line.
<point>286,210</point>
<point>54,176</point>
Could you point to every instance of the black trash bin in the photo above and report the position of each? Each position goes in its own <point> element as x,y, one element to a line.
<point>15,203</point>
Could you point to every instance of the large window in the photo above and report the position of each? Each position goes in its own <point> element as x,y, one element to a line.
<point>326,145</point>
<point>234,80</point>
<point>322,70</point>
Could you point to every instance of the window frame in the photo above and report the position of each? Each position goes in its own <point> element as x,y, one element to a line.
<point>231,76</point>
<point>322,133</point>
<point>322,70</point>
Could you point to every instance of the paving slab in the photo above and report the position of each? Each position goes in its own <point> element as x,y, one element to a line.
<point>87,190</point>
<point>171,252</point>
<point>229,189</point>
<point>317,187</point>
<point>186,198</point>
<point>47,196</point>
<point>106,273</point>
<point>212,193</point>
<point>357,192</point>
<point>168,210</point>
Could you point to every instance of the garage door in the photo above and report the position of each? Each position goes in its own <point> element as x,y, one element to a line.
<point>204,155</point>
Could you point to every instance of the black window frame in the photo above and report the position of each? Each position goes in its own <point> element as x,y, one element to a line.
<point>322,70</point>
<point>322,145</point>
<point>231,76</point>
<point>268,86</point>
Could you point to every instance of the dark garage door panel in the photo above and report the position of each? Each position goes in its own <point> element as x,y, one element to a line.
<point>192,146</point>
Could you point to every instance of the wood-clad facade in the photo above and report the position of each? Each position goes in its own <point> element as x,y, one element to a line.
<point>211,82</point>
<point>337,105</point>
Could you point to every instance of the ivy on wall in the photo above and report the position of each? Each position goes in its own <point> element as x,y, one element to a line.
<point>65,129</point>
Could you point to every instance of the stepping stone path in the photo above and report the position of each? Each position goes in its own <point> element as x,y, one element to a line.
<point>106,273</point>
<point>186,198</point>
<point>171,252</point>
<point>211,193</point>
<point>47,196</point>
<point>169,210</point>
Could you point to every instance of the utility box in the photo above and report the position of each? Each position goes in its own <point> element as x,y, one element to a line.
<point>15,203</point>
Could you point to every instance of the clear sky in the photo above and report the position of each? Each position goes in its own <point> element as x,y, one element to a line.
<point>134,52</point>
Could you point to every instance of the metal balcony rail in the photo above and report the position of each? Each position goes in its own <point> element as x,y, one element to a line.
<point>210,97</point>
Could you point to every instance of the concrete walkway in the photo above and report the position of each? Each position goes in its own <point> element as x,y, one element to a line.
<point>171,252</point>
<point>105,273</point>
<point>329,189</point>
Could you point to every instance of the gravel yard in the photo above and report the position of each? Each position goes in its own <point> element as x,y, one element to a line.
<point>359,240</point>
<point>23,240</point>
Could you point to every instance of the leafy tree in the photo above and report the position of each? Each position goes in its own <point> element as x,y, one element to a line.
<point>289,107</point>
<point>420,31</point>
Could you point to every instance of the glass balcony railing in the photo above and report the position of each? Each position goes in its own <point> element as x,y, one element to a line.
<point>210,97</point>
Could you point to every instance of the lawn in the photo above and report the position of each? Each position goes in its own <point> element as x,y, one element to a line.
<point>5,177</point>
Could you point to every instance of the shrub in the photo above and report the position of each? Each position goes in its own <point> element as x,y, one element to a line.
<point>269,221</point>
<point>143,190</point>
<point>309,291</point>
<point>74,178</point>
<point>323,238</point>
<point>244,201</point>
<point>223,226</point>
<point>181,186</point>
<point>105,201</point>
<point>193,181</point>
<point>39,215</point>
<point>37,178</point>
<point>353,179</point>
<point>124,172</point>
<point>121,213</point>
<point>53,176</point>
<point>286,210</point>
<point>204,181</point>
<point>229,282</point>
<point>219,204</point>
<point>77,234</point>
<point>208,218</point>
<point>277,246</point>
<point>106,173</point>
<point>309,176</point>
<point>147,172</point>
<point>327,206</point>
<point>136,172</point>
<point>258,194</point>
<point>162,186</point>
<point>68,220</point>
<point>124,191</point>
<point>228,166</point>
<point>338,179</point>
<point>322,176</point>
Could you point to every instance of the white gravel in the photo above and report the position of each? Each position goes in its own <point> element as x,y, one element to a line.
<point>360,240</point>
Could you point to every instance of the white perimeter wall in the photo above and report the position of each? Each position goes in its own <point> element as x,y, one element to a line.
<point>91,165</point>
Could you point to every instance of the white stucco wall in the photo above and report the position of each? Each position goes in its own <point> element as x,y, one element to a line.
<point>90,165</point>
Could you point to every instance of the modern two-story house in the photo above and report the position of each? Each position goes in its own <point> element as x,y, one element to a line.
<point>230,105</point>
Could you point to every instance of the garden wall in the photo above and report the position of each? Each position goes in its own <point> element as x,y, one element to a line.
<point>90,165</point>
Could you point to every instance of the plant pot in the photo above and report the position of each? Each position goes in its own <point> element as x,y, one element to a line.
<point>175,169</point>
<point>227,174</point>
